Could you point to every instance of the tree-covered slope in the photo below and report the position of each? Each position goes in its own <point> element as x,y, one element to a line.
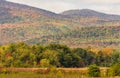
<point>75,28</point>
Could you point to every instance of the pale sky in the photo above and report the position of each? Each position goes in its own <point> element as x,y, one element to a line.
<point>107,6</point>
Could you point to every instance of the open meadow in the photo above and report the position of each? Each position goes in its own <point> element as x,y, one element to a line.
<point>48,73</point>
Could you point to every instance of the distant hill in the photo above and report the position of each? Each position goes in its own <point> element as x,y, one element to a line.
<point>90,13</point>
<point>76,28</point>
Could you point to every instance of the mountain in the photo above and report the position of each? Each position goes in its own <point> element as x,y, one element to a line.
<point>17,11</point>
<point>90,13</point>
<point>23,23</point>
<point>76,28</point>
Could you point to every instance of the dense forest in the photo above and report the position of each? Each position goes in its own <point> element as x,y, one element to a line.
<point>57,55</point>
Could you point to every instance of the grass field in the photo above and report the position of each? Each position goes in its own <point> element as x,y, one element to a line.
<point>37,75</point>
<point>53,73</point>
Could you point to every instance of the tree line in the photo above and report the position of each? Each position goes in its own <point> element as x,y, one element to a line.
<point>58,55</point>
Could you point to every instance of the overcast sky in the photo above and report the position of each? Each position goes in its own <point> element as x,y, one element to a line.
<point>107,6</point>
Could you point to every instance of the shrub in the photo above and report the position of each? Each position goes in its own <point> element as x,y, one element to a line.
<point>114,70</point>
<point>94,71</point>
<point>4,71</point>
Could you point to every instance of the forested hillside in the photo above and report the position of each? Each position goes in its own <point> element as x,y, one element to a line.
<point>76,28</point>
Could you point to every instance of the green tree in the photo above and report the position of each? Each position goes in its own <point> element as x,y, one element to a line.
<point>115,57</point>
<point>37,50</point>
<point>87,57</point>
<point>52,56</point>
<point>44,63</point>
<point>94,71</point>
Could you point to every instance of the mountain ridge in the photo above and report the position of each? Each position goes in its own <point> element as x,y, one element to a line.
<point>22,23</point>
<point>89,13</point>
